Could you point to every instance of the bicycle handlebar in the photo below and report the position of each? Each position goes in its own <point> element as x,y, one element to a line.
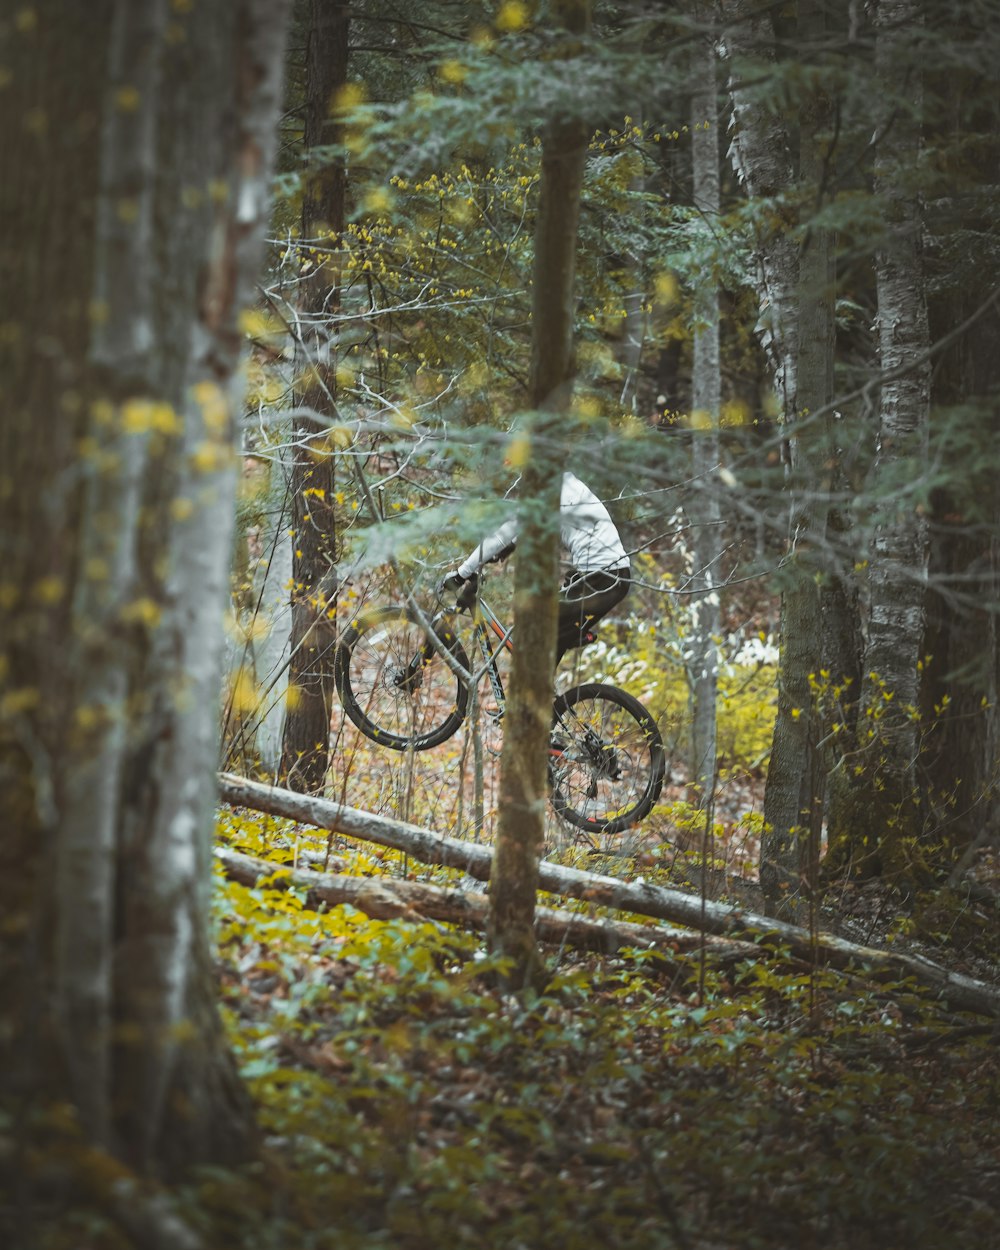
<point>467,595</point>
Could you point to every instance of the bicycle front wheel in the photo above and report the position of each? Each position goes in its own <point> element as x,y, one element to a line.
<point>606,759</point>
<point>395,684</point>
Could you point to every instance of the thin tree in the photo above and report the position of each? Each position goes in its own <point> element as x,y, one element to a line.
<point>136,193</point>
<point>306,737</point>
<point>527,724</point>
<point>890,813</point>
<point>706,400</point>
<point>763,159</point>
<point>960,695</point>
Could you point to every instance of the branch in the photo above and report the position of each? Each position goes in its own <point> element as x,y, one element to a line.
<point>384,898</point>
<point>638,897</point>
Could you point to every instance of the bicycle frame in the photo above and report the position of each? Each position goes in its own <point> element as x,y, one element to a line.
<point>484,621</point>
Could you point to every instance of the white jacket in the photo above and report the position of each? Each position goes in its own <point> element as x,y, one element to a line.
<point>586,529</point>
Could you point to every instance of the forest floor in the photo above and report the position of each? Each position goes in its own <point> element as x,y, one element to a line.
<point>645,1102</point>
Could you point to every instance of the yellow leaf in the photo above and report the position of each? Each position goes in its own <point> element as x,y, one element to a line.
<point>519,450</point>
<point>452,72</point>
<point>212,400</point>
<point>142,611</point>
<point>258,324</point>
<point>208,457</point>
<point>16,701</point>
<point>512,15</point>
<point>665,288</point>
<point>243,692</point>
<point>127,98</point>
<point>49,590</point>
<point>347,97</point>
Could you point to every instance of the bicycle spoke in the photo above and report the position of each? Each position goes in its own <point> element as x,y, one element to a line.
<point>606,759</point>
<point>395,686</point>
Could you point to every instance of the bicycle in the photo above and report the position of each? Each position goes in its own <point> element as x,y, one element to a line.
<point>408,688</point>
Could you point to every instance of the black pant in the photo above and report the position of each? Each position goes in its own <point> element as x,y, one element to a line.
<point>583,600</point>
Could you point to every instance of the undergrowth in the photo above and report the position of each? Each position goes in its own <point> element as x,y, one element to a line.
<point>406,1102</point>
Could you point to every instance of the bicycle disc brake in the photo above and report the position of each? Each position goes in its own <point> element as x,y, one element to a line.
<point>410,677</point>
<point>601,757</point>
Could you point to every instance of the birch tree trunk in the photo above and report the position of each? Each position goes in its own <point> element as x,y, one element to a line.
<point>762,158</point>
<point>258,658</point>
<point>137,191</point>
<point>306,740</point>
<point>796,287</point>
<point>706,400</point>
<point>889,810</point>
<point>527,724</point>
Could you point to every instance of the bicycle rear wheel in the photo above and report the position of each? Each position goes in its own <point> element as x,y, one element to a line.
<point>606,759</point>
<point>394,683</point>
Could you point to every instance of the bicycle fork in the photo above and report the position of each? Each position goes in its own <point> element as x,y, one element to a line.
<point>598,757</point>
<point>411,676</point>
<point>490,660</point>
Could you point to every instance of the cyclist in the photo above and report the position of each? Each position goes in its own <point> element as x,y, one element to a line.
<point>599,575</point>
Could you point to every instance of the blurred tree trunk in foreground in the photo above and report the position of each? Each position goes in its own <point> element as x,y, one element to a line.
<point>136,193</point>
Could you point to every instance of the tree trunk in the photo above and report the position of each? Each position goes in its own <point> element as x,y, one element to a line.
<point>789,288</point>
<point>761,156</point>
<point>961,690</point>
<point>142,201</point>
<point>887,805</point>
<point>817,575</point>
<point>306,741</point>
<point>706,398</point>
<point>257,664</point>
<point>528,720</point>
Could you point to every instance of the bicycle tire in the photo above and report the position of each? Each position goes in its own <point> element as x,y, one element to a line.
<point>606,760</point>
<point>395,685</point>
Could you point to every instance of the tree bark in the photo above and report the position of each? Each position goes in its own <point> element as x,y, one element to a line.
<point>960,697</point>
<point>761,156</point>
<point>887,809</point>
<point>528,719</point>
<point>899,558</point>
<point>795,297</point>
<point>136,190</point>
<point>706,399</point>
<point>306,739</point>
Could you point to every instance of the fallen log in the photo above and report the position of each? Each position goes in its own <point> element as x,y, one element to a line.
<point>385,898</point>
<point>638,897</point>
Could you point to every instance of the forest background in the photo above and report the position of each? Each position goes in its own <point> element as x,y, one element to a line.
<point>737,265</point>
